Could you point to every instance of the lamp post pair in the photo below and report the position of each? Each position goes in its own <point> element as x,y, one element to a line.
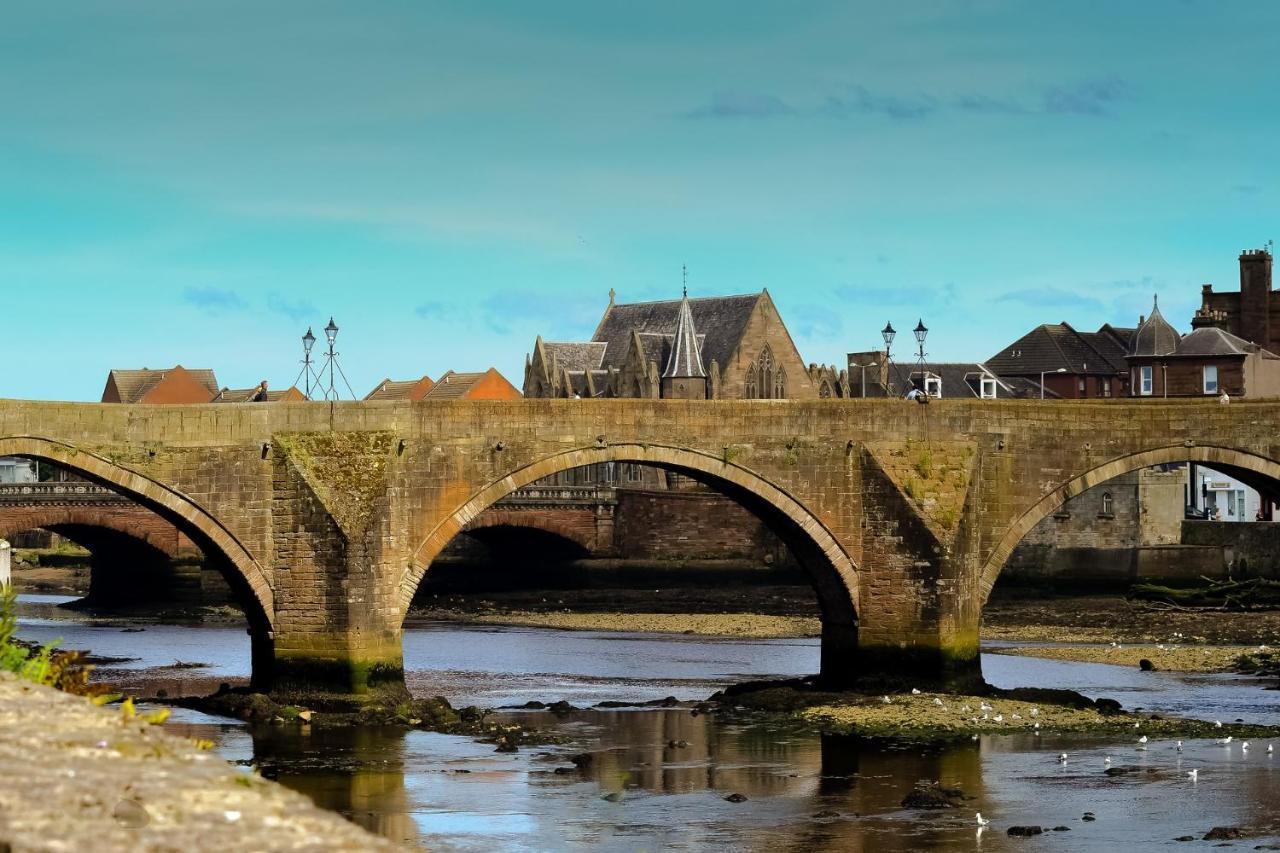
<point>920,331</point>
<point>308,341</point>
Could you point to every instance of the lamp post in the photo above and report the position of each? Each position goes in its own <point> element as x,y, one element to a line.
<point>864,374</point>
<point>331,333</point>
<point>1042,373</point>
<point>888,334</point>
<point>308,341</point>
<point>920,331</point>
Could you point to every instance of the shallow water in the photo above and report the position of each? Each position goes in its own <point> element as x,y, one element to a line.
<point>410,785</point>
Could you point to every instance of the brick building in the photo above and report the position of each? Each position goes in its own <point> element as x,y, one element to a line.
<point>1072,364</point>
<point>404,389</point>
<point>1252,312</point>
<point>259,394</point>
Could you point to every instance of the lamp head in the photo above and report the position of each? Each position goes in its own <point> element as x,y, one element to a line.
<point>920,331</point>
<point>331,331</point>
<point>888,333</point>
<point>308,341</point>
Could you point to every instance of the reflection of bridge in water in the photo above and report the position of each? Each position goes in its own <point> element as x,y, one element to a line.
<point>326,518</point>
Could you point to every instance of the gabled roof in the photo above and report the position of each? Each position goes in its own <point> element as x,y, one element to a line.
<point>407,389</point>
<point>489,385</point>
<point>1052,346</point>
<point>453,386</point>
<point>720,322</point>
<point>960,380</point>
<point>131,386</point>
<point>257,395</point>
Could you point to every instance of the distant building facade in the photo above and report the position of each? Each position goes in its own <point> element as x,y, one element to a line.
<point>725,347</point>
<point>1252,312</point>
<point>1073,365</point>
<point>175,385</point>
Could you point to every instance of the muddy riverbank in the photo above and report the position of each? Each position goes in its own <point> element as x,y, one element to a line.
<point>85,778</point>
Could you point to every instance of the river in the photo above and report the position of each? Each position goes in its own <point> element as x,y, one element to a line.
<point>657,779</point>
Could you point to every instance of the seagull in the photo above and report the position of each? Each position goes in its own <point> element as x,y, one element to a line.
<point>1062,759</point>
<point>1270,749</point>
<point>985,707</point>
<point>938,702</point>
<point>1106,760</point>
<point>915,691</point>
<point>1224,741</point>
<point>1142,739</point>
<point>1035,712</point>
<point>982,821</point>
<point>888,701</point>
<point>1245,746</point>
<point>1037,726</point>
<point>1193,775</point>
<point>999,718</point>
<point>1137,725</point>
<point>1017,716</point>
<point>1142,743</point>
<point>1217,724</point>
<point>1179,746</point>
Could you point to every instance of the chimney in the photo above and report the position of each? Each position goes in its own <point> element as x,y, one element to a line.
<point>1255,297</point>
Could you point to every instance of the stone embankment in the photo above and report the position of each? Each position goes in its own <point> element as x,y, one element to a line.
<point>78,777</point>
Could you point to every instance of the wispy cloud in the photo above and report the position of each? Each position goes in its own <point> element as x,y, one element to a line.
<point>437,310</point>
<point>1094,98</point>
<point>742,105</point>
<point>889,295</point>
<point>294,309</point>
<point>215,300</point>
<point>816,321</point>
<point>1086,98</point>
<point>524,311</point>
<point>1049,298</point>
<point>1246,189</point>
<point>861,101</point>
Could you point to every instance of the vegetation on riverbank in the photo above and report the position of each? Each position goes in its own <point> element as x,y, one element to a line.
<point>928,716</point>
<point>66,671</point>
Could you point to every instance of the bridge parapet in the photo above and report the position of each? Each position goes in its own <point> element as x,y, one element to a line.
<point>61,492</point>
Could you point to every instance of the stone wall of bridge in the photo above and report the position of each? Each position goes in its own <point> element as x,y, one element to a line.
<point>903,514</point>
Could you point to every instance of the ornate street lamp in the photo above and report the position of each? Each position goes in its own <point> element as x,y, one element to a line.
<point>888,334</point>
<point>921,331</point>
<point>308,341</point>
<point>331,332</point>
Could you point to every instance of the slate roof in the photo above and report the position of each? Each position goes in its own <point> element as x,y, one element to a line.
<point>1212,341</point>
<point>1051,346</point>
<point>720,321</point>
<point>576,356</point>
<point>132,385</point>
<point>961,380</point>
<point>1154,337</point>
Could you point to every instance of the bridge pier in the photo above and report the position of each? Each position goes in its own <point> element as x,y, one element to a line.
<point>333,668</point>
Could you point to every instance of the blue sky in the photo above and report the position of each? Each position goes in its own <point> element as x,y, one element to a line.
<point>196,183</point>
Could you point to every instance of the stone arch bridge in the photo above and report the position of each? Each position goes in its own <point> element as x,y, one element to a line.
<point>325,517</point>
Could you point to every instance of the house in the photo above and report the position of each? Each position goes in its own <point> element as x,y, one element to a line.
<point>407,389</point>
<point>1206,362</point>
<point>723,347</point>
<point>1070,364</point>
<point>175,385</point>
<point>871,375</point>
<point>259,394</point>
<point>1252,312</point>
<point>489,385</point>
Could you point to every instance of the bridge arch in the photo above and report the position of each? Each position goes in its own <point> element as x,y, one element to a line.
<point>1228,459</point>
<point>496,518</point>
<point>167,502</point>
<point>830,569</point>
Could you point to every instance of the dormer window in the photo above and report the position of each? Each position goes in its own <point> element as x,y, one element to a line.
<point>987,388</point>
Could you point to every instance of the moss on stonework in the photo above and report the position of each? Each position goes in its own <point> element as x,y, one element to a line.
<point>933,475</point>
<point>346,470</point>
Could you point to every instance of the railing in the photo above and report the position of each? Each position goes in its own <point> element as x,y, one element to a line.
<point>54,492</point>
<point>561,496</point>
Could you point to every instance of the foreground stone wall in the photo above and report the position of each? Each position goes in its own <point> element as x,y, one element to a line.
<point>1249,548</point>
<point>83,778</point>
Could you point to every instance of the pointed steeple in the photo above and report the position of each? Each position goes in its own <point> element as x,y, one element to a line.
<point>685,361</point>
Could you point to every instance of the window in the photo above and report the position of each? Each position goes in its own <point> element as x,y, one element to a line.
<point>987,390</point>
<point>933,385</point>
<point>1106,387</point>
<point>1080,385</point>
<point>780,384</point>
<point>1144,388</point>
<point>762,383</point>
<point>1210,379</point>
<point>1108,504</point>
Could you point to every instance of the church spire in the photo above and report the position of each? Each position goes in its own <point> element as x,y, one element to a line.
<point>685,361</point>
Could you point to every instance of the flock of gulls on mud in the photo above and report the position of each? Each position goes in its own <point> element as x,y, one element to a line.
<point>1063,758</point>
